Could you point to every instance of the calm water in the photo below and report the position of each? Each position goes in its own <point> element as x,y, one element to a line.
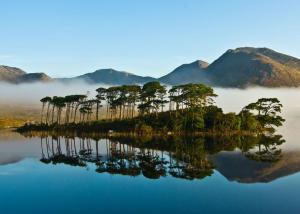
<point>55,174</point>
<point>42,173</point>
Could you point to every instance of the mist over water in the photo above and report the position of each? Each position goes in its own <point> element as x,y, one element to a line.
<point>235,99</point>
<point>31,93</point>
<point>231,100</point>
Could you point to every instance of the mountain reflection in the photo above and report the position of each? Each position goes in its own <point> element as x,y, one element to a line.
<point>185,158</point>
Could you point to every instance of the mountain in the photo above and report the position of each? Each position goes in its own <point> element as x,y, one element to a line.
<point>187,73</point>
<point>17,75</point>
<point>113,77</point>
<point>34,77</point>
<point>249,66</point>
<point>241,67</point>
<point>10,74</point>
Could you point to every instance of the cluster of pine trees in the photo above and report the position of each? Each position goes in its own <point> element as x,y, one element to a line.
<point>188,107</point>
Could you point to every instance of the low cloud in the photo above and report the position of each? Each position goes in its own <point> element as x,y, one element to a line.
<point>228,99</point>
<point>31,93</point>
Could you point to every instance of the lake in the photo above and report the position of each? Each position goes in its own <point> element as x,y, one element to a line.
<point>50,173</point>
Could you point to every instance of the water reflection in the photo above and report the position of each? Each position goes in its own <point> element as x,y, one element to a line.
<point>266,149</point>
<point>185,158</point>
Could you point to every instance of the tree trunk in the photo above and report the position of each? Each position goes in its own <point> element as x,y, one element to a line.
<point>47,115</point>
<point>75,112</point>
<point>97,111</point>
<point>53,114</point>
<point>42,112</point>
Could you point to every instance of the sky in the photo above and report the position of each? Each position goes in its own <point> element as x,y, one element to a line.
<point>66,38</point>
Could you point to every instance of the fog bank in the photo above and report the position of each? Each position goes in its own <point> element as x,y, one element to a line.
<point>31,93</point>
<point>228,99</point>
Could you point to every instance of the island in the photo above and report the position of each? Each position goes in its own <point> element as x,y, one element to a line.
<point>154,108</point>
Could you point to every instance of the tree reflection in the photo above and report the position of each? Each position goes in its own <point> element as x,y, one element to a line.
<point>266,149</point>
<point>57,153</point>
<point>185,158</point>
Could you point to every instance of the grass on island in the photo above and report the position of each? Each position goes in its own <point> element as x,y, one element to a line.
<point>6,123</point>
<point>13,115</point>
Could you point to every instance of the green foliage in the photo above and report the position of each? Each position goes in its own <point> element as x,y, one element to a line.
<point>198,121</point>
<point>212,117</point>
<point>249,122</point>
<point>229,122</point>
<point>143,129</point>
<point>266,111</point>
<point>191,109</point>
<point>193,120</point>
<point>152,97</point>
<point>192,95</point>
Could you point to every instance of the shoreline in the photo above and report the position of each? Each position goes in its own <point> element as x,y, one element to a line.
<point>133,133</point>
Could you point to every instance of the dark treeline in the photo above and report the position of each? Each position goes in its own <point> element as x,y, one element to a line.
<point>153,108</point>
<point>153,157</point>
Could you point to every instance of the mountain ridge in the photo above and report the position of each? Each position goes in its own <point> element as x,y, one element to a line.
<point>16,75</point>
<point>255,66</point>
<point>241,67</point>
<point>196,72</point>
<point>113,77</point>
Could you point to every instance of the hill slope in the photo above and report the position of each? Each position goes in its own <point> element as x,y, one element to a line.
<point>187,73</point>
<point>113,77</point>
<point>34,77</point>
<point>254,66</point>
<point>240,67</point>
<point>17,75</point>
<point>10,74</point>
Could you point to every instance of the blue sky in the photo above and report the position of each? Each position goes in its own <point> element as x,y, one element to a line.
<point>71,37</point>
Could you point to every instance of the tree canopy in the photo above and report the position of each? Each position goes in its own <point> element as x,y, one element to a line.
<point>190,108</point>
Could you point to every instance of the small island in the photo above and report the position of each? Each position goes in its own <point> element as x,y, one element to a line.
<point>154,109</point>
